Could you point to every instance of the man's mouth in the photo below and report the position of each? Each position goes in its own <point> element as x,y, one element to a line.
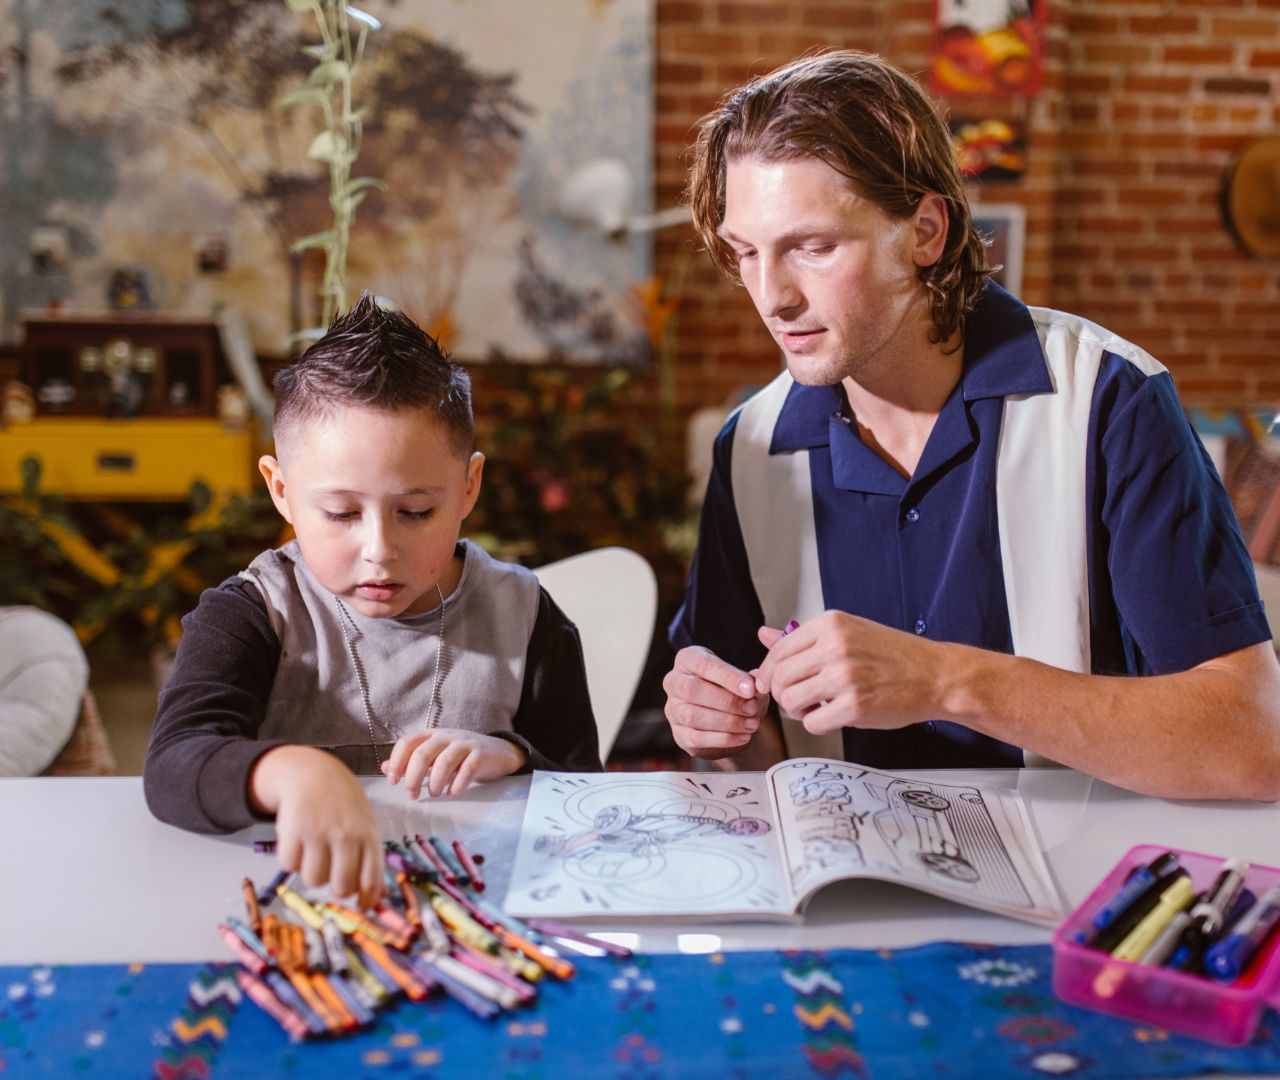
<point>797,340</point>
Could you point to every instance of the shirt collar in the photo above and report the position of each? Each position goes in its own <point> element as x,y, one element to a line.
<point>1002,356</point>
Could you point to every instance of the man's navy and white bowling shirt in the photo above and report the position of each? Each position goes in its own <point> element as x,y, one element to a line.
<point>1062,509</point>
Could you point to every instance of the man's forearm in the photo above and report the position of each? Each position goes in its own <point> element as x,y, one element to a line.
<point>1209,733</point>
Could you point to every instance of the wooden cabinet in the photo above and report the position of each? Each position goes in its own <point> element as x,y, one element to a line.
<point>117,365</point>
<point>128,408</point>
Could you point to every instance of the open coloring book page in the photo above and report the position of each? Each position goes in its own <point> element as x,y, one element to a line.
<point>652,844</point>
<point>972,844</point>
<point>747,846</point>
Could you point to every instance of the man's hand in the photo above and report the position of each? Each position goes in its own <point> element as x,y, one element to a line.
<point>839,670</point>
<point>325,826</point>
<point>450,760</point>
<point>712,707</point>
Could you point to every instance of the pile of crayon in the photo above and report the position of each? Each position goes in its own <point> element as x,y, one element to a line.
<point>321,968</point>
<point>1225,932</point>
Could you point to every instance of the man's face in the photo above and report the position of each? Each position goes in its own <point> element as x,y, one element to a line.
<point>832,275</point>
<point>376,499</point>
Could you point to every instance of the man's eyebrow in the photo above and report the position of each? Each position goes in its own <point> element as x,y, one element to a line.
<point>787,239</point>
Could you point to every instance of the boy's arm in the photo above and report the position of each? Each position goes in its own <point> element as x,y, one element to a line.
<point>554,724</point>
<point>204,742</point>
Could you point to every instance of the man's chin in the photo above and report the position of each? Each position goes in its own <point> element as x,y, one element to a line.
<point>809,371</point>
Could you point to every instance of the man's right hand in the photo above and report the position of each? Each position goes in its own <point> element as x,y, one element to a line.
<point>713,708</point>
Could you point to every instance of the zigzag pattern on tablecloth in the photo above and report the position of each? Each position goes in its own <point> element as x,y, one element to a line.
<point>199,1032</point>
<point>829,1046</point>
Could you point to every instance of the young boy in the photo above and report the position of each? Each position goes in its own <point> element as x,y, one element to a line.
<point>375,641</point>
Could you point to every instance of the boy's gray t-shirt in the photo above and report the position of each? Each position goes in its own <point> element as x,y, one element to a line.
<point>316,696</point>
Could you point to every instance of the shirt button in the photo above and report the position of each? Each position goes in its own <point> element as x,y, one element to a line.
<point>912,515</point>
<point>921,626</point>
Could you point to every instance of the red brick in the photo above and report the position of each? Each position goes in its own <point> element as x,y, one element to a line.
<point>1198,54</point>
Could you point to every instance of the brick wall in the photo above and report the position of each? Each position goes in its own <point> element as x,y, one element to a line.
<point>1143,102</point>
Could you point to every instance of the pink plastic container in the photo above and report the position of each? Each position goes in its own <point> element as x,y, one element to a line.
<point>1225,1013</point>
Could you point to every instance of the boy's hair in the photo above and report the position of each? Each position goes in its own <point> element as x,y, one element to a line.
<point>375,359</point>
<point>869,122</point>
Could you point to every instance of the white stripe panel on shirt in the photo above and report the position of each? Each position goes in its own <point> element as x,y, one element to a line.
<point>1040,494</point>
<point>768,490</point>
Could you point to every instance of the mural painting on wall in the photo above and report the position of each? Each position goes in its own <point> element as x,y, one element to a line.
<point>147,135</point>
<point>988,47</point>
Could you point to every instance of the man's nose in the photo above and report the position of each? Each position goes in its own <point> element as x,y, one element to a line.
<point>776,293</point>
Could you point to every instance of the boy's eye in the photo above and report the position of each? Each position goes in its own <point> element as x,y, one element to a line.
<point>419,515</point>
<point>341,515</point>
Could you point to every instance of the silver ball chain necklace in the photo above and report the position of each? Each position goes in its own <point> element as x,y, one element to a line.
<point>433,708</point>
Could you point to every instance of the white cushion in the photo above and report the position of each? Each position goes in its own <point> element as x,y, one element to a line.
<point>43,676</point>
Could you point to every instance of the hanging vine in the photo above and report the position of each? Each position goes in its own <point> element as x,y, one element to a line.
<point>338,55</point>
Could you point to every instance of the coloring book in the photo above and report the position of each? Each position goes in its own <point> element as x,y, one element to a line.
<point>726,846</point>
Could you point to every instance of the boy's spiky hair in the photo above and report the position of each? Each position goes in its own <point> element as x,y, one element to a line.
<point>375,359</point>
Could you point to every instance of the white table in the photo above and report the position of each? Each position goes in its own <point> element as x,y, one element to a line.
<point>90,877</point>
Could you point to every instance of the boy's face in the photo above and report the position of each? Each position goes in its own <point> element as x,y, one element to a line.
<point>376,499</point>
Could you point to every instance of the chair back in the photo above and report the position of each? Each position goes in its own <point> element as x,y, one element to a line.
<point>611,595</point>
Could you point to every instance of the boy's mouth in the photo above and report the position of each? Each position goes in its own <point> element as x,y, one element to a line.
<point>379,590</point>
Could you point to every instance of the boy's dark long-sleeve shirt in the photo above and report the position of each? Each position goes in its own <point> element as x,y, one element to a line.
<point>213,721</point>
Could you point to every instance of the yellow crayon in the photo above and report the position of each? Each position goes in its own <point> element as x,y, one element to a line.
<point>303,908</point>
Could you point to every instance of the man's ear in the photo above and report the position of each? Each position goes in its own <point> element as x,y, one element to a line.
<point>930,224</point>
<point>273,473</point>
<point>475,470</point>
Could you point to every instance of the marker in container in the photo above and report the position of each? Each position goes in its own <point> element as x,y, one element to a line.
<point>1118,928</point>
<point>1139,880</point>
<point>1175,898</point>
<point>1208,916</point>
<point>1227,958</point>
<point>264,847</point>
<point>1166,941</point>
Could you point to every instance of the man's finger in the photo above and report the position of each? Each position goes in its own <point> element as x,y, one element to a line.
<point>683,686</point>
<point>696,660</point>
<point>698,717</point>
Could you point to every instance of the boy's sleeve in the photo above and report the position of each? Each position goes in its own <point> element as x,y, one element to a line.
<point>204,742</point>
<point>554,723</point>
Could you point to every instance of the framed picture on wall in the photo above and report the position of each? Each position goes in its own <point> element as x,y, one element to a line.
<point>1004,227</point>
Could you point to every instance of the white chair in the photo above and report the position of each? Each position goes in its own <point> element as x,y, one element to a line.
<point>611,594</point>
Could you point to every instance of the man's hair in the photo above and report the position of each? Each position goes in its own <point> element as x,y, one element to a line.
<point>869,122</point>
<point>376,359</point>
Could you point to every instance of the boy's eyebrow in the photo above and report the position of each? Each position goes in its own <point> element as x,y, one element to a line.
<point>394,494</point>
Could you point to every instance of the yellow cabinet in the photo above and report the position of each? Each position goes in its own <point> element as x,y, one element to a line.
<point>146,458</point>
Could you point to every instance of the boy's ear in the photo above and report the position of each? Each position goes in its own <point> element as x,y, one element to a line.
<point>273,474</point>
<point>930,225</point>
<point>475,470</point>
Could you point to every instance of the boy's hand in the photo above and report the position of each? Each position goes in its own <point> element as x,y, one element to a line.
<point>450,760</point>
<point>325,826</point>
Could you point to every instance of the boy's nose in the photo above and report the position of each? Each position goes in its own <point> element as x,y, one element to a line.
<point>378,547</point>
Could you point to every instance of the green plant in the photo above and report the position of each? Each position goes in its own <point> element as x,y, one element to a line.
<point>564,473</point>
<point>338,143</point>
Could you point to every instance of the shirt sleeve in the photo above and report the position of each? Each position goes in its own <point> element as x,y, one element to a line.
<point>1179,572</point>
<point>721,610</point>
<point>554,723</point>
<point>204,743</point>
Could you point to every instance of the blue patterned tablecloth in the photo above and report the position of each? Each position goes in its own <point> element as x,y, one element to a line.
<point>941,1010</point>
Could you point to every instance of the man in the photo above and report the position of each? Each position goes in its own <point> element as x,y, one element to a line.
<point>986,519</point>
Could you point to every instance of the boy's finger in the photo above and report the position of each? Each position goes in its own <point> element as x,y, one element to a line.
<point>371,877</point>
<point>315,864</point>
<point>344,874</point>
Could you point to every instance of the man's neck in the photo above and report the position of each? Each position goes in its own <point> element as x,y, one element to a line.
<point>897,405</point>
